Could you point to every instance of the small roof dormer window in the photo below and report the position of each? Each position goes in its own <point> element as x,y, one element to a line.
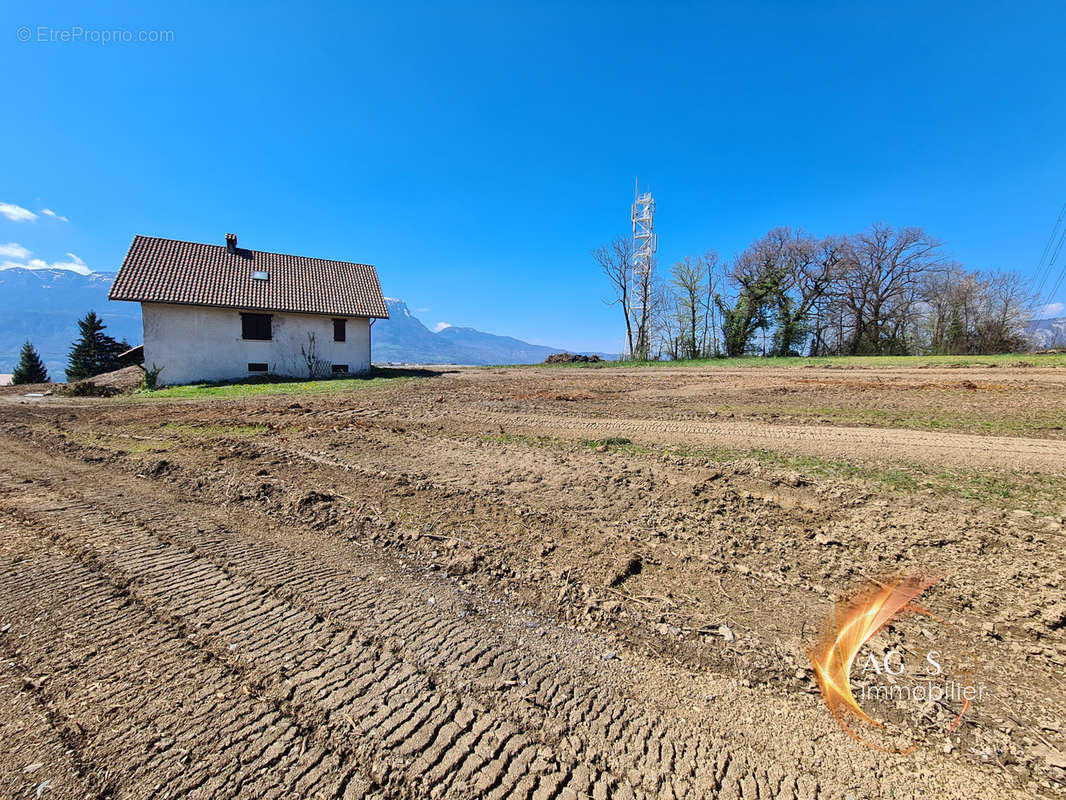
<point>260,275</point>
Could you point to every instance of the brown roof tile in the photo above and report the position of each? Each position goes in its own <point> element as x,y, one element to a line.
<point>168,271</point>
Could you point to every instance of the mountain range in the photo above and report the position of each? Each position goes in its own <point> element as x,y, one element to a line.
<point>45,305</point>
<point>1046,334</point>
<point>402,338</point>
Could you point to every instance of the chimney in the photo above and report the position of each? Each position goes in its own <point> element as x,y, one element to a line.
<point>231,243</point>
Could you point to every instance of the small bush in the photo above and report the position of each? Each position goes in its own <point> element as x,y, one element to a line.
<point>90,389</point>
<point>151,379</point>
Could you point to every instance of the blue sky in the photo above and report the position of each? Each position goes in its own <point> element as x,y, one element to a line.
<point>476,153</point>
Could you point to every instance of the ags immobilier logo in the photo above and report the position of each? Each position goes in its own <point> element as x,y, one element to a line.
<point>853,624</point>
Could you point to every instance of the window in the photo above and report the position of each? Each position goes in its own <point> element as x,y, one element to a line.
<point>260,275</point>
<point>257,366</point>
<point>340,369</point>
<point>338,330</point>
<point>255,326</point>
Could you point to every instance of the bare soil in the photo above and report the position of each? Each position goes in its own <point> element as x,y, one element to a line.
<point>573,582</point>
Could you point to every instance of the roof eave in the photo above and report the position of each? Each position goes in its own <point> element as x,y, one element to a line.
<point>268,309</point>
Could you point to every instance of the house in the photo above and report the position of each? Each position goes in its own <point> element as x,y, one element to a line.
<point>222,312</point>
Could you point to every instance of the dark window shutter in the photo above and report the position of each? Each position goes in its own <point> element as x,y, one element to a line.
<point>256,326</point>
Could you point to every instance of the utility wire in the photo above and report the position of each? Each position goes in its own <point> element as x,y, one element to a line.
<point>1044,264</point>
<point>1062,273</point>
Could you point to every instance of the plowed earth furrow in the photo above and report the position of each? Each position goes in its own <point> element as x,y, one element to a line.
<point>248,665</point>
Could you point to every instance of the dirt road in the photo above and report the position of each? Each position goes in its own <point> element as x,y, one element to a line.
<point>405,593</point>
<point>958,449</point>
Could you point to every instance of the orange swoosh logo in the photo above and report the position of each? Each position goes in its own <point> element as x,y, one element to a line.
<point>832,659</point>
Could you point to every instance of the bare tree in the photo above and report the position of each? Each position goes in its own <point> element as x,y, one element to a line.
<point>817,287</point>
<point>950,298</point>
<point>689,278</point>
<point>1007,305</point>
<point>881,286</point>
<point>973,313</point>
<point>709,345</point>
<point>812,268</point>
<point>646,305</point>
<point>670,323</point>
<point>616,261</point>
<point>882,291</point>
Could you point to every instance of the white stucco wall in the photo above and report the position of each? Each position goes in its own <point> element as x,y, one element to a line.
<point>197,343</point>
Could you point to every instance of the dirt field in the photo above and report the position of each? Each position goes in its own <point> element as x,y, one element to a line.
<point>538,583</point>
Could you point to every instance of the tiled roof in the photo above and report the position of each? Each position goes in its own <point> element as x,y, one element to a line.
<point>168,271</point>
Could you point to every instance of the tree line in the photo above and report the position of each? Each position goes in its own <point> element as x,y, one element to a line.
<point>884,291</point>
<point>92,353</point>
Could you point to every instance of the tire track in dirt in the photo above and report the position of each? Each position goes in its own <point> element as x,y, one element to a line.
<point>36,749</point>
<point>320,648</point>
<point>364,685</point>
<point>960,449</point>
<point>157,717</point>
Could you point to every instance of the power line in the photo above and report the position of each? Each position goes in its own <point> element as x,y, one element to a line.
<point>1062,273</point>
<point>1044,264</point>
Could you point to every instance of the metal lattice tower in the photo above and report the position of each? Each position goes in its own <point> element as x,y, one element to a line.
<point>645,244</point>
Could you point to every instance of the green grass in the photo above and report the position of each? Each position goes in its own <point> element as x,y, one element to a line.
<point>841,362</point>
<point>1008,489</point>
<point>119,443</point>
<point>615,444</point>
<point>273,385</point>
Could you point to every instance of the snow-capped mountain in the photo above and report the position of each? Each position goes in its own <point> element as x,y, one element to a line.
<point>403,338</point>
<point>1047,333</point>
<point>44,306</point>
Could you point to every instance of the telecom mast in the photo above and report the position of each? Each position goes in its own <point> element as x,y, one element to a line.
<point>645,244</point>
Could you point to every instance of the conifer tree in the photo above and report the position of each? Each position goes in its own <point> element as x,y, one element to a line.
<point>30,368</point>
<point>94,352</point>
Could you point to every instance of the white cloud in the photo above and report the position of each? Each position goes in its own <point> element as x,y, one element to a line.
<point>17,213</point>
<point>1051,310</point>
<point>13,250</point>
<point>441,326</point>
<point>50,213</point>
<point>75,264</point>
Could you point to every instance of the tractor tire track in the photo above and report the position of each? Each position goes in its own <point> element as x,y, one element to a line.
<point>281,674</point>
<point>1042,455</point>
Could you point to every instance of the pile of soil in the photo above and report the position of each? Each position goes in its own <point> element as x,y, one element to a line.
<point>109,384</point>
<point>571,358</point>
<point>20,389</point>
